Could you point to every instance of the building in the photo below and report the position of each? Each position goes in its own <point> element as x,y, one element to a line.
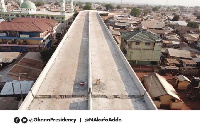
<point>197,60</point>
<point>188,63</point>
<point>31,64</point>
<point>182,23</point>
<point>178,54</point>
<point>8,57</point>
<point>160,33</point>
<point>28,9</point>
<point>153,24</point>
<point>162,93</point>
<point>182,82</point>
<point>141,47</point>
<point>27,34</point>
<point>16,88</point>
<point>191,38</point>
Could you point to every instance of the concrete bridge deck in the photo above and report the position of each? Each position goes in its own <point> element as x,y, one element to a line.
<point>108,66</point>
<point>87,53</point>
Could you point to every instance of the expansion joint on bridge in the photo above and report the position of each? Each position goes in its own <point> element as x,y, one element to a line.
<point>61,96</point>
<point>117,96</point>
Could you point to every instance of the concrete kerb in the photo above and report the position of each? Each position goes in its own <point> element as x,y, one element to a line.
<point>41,78</point>
<point>89,71</point>
<point>138,83</point>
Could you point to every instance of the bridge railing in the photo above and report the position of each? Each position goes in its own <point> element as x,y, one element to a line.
<point>89,70</point>
<point>133,75</point>
<point>34,90</point>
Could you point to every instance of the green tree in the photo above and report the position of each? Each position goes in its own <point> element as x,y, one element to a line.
<point>75,14</point>
<point>146,11</point>
<point>118,7</point>
<point>198,17</point>
<point>176,18</point>
<point>79,4</point>
<point>57,3</point>
<point>88,6</point>
<point>193,25</point>
<point>46,54</point>
<point>39,3</point>
<point>156,8</point>
<point>168,9</point>
<point>135,12</point>
<point>109,7</point>
<point>181,7</point>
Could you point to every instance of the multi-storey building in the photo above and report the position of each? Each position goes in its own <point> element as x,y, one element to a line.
<point>141,47</point>
<point>27,34</point>
<point>28,9</point>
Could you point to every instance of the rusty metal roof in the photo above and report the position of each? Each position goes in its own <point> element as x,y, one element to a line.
<point>159,86</point>
<point>28,25</point>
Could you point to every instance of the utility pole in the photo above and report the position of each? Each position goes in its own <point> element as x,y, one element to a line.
<point>21,84</point>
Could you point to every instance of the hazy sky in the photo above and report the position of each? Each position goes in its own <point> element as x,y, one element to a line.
<point>162,2</point>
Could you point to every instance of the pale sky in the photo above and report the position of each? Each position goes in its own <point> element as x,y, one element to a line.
<point>162,2</point>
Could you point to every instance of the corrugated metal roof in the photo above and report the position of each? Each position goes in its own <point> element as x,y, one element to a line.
<point>121,24</point>
<point>159,86</point>
<point>140,36</point>
<point>187,61</point>
<point>182,78</point>
<point>7,57</point>
<point>153,24</point>
<point>8,89</point>
<point>172,61</point>
<point>28,25</point>
<point>178,53</point>
<point>196,59</point>
<point>183,23</point>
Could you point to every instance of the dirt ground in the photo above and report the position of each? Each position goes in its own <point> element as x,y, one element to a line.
<point>189,104</point>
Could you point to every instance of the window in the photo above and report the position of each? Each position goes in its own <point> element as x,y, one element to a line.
<point>137,43</point>
<point>147,44</point>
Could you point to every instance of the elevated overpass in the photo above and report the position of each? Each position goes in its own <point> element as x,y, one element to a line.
<point>88,72</point>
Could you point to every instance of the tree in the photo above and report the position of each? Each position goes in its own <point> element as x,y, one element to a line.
<point>118,7</point>
<point>146,11</point>
<point>57,3</point>
<point>181,7</point>
<point>176,18</point>
<point>193,25</point>
<point>88,6</point>
<point>39,3</point>
<point>46,54</point>
<point>79,4</point>
<point>135,12</point>
<point>168,9</point>
<point>75,14</point>
<point>109,7</point>
<point>156,8</point>
<point>198,17</point>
